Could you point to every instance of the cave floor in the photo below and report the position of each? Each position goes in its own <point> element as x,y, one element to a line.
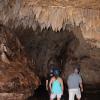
<point>90,94</point>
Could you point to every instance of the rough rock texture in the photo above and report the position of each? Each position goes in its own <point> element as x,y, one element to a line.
<point>28,52</point>
<point>47,47</point>
<point>66,33</point>
<point>17,80</point>
<point>64,49</point>
<point>89,67</point>
<point>58,14</point>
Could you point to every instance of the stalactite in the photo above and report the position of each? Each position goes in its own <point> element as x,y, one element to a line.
<point>26,13</point>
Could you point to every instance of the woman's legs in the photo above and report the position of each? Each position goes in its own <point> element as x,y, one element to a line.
<point>52,96</point>
<point>59,96</point>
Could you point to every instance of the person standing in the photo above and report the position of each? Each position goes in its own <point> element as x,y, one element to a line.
<point>56,86</point>
<point>48,78</point>
<point>50,75</point>
<point>75,86</point>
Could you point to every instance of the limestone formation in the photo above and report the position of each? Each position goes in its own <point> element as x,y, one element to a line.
<point>63,33</point>
<point>17,80</point>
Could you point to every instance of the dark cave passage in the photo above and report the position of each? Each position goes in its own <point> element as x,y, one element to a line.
<point>47,47</point>
<point>39,35</point>
<point>90,93</point>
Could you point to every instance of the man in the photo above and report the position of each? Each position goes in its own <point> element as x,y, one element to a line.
<point>48,80</point>
<point>75,86</point>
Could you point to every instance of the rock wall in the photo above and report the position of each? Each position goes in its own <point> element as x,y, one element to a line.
<point>27,55</point>
<point>63,49</point>
<point>17,80</point>
<point>47,47</point>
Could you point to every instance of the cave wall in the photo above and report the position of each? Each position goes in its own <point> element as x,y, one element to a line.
<point>31,54</point>
<point>17,80</point>
<point>37,51</point>
<point>64,49</point>
<point>48,47</point>
<point>88,58</point>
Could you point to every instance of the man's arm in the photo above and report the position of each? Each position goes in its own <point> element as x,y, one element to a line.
<point>80,83</point>
<point>47,84</point>
<point>81,86</point>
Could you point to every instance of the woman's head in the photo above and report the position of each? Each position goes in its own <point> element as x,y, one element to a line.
<point>56,73</point>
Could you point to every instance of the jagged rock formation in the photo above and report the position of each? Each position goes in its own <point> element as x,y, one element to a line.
<point>17,80</point>
<point>60,32</point>
<point>47,47</point>
<point>58,14</point>
<point>63,49</point>
<point>54,13</point>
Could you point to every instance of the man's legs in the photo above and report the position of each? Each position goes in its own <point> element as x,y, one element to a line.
<point>78,94</point>
<point>78,98</point>
<point>71,94</point>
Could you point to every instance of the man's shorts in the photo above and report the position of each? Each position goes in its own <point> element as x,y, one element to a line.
<point>53,96</point>
<point>73,92</point>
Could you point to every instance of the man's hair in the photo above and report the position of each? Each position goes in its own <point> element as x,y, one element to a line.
<point>76,68</point>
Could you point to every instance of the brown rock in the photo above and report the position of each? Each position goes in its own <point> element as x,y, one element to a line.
<point>17,80</point>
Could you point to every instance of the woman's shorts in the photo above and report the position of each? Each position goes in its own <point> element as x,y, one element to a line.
<point>53,96</point>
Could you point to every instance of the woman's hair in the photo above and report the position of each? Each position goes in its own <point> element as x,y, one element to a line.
<point>56,73</point>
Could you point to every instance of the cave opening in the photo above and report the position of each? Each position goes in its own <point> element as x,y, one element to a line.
<point>36,35</point>
<point>47,47</point>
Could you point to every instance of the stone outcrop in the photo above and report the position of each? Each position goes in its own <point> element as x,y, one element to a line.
<point>64,49</point>
<point>64,33</point>
<point>17,80</point>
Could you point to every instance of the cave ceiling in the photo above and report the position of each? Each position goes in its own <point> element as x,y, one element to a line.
<point>54,13</point>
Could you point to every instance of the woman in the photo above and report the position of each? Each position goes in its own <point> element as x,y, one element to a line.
<point>56,86</point>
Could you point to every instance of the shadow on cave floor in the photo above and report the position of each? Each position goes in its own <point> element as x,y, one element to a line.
<point>90,93</point>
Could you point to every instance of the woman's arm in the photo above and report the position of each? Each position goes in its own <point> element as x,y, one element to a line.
<point>62,85</point>
<point>50,84</point>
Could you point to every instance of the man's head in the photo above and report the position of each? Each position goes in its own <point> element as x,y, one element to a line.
<point>51,74</point>
<point>76,70</point>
